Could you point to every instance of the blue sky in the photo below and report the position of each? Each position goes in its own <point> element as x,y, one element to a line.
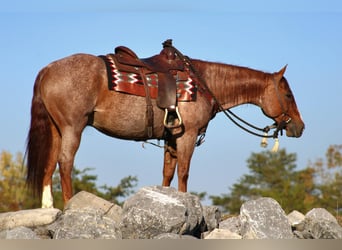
<point>264,35</point>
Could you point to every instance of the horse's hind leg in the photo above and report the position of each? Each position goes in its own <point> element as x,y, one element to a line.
<point>47,197</point>
<point>70,142</point>
<point>170,162</point>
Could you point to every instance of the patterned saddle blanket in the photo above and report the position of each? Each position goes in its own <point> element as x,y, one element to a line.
<point>130,75</point>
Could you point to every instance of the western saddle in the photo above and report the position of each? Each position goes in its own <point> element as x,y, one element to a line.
<point>165,65</point>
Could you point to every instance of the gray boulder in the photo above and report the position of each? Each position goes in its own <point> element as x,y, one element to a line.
<point>325,229</point>
<point>156,210</point>
<point>211,216</point>
<point>85,224</point>
<point>28,218</point>
<point>84,200</point>
<point>87,216</point>
<point>20,232</point>
<point>321,214</point>
<point>318,224</point>
<point>232,224</point>
<point>219,233</point>
<point>263,218</point>
<point>295,217</point>
<point>173,236</point>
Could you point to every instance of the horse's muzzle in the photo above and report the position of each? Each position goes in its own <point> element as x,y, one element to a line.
<point>294,129</point>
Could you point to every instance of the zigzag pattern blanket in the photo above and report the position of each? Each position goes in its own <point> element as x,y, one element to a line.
<point>132,83</point>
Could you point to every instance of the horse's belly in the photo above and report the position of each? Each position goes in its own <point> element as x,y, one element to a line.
<point>130,127</point>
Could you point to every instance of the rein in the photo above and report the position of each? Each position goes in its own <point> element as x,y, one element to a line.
<point>231,115</point>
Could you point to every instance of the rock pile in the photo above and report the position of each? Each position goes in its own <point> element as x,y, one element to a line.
<point>164,213</point>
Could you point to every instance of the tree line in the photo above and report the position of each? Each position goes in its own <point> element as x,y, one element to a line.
<point>275,175</point>
<point>14,194</point>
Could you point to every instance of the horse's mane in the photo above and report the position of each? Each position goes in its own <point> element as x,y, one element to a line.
<point>241,80</point>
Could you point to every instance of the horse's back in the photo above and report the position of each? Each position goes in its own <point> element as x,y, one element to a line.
<point>78,73</point>
<point>76,64</point>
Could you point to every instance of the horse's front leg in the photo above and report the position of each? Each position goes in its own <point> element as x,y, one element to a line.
<point>170,161</point>
<point>185,149</point>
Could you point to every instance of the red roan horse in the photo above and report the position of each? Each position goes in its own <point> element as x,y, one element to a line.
<point>71,93</point>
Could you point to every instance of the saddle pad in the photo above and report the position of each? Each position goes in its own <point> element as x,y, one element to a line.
<point>132,83</point>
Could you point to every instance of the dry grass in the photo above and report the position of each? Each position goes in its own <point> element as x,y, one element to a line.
<point>339,220</point>
<point>227,216</point>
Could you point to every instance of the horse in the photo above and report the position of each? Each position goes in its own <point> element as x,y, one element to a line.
<point>72,93</point>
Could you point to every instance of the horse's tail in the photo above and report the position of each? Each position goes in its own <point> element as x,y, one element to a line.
<point>39,140</point>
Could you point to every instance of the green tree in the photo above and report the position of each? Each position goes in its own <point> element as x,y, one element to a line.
<point>13,193</point>
<point>329,180</point>
<point>15,196</point>
<point>201,195</point>
<point>124,189</point>
<point>83,181</point>
<point>272,175</point>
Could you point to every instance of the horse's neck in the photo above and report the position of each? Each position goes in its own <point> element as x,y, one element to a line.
<point>233,85</point>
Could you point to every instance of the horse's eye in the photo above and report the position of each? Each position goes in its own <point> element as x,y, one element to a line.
<point>288,95</point>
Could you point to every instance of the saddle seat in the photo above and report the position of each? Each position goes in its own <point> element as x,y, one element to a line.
<point>163,62</point>
<point>167,65</point>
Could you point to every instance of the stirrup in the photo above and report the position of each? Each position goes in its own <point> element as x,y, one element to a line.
<point>178,116</point>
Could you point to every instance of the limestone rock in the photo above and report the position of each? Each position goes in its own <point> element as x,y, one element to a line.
<point>218,233</point>
<point>263,218</point>
<point>233,224</point>
<point>295,217</point>
<point>318,224</point>
<point>211,215</point>
<point>156,210</point>
<point>321,214</point>
<point>85,224</point>
<point>84,200</point>
<point>173,236</point>
<point>22,233</point>
<point>28,218</point>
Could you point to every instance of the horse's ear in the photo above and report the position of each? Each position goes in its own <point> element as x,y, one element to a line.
<point>280,73</point>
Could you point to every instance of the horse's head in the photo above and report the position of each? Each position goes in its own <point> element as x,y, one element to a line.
<point>279,104</point>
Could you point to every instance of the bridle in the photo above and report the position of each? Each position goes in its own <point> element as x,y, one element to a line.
<point>278,126</point>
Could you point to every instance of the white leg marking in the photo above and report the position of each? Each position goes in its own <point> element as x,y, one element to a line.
<point>47,199</point>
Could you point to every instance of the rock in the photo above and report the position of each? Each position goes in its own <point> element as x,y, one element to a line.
<point>325,229</point>
<point>85,224</point>
<point>84,200</point>
<point>318,229</point>
<point>173,236</point>
<point>233,224</point>
<point>156,210</point>
<point>211,215</point>
<point>321,214</point>
<point>263,218</point>
<point>318,224</point>
<point>18,233</point>
<point>164,213</point>
<point>295,217</point>
<point>28,218</point>
<point>218,233</point>
<point>43,232</point>
<point>87,216</point>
